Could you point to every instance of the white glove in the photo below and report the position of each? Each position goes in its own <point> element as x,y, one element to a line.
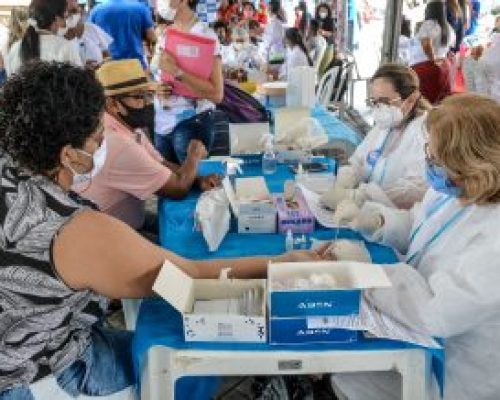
<point>349,250</point>
<point>346,212</point>
<point>336,194</point>
<point>368,221</point>
<point>347,177</point>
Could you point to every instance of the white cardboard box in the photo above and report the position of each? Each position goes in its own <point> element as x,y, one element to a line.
<point>181,291</point>
<point>252,204</point>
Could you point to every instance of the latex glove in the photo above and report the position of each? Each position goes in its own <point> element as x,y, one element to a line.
<point>346,212</point>
<point>349,250</point>
<point>368,221</point>
<point>336,194</point>
<point>347,177</point>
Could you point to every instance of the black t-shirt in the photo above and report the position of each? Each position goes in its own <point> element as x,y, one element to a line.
<point>327,25</point>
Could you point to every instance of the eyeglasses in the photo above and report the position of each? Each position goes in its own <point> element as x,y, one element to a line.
<point>147,97</point>
<point>375,102</point>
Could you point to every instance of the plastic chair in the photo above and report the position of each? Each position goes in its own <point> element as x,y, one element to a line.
<point>326,86</point>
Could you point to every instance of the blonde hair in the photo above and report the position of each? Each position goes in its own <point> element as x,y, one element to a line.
<point>465,135</point>
<point>17,25</point>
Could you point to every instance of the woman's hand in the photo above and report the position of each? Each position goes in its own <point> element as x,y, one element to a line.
<point>209,182</point>
<point>168,64</point>
<point>318,254</point>
<point>163,90</point>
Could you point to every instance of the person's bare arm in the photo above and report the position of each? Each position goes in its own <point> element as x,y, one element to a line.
<point>428,49</point>
<point>98,252</point>
<point>211,89</point>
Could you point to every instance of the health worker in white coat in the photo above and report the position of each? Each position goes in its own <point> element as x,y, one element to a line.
<point>447,285</point>
<point>296,53</point>
<point>488,79</point>
<point>391,158</point>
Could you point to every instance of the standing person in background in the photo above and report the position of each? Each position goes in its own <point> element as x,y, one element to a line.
<point>90,40</point>
<point>227,10</point>
<point>456,17</point>
<point>475,12</point>
<point>316,44</point>
<point>296,53</point>
<point>302,18</point>
<point>430,61</point>
<point>179,118</point>
<point>272,46</point>
<point>488,81</point>
<point>129,23</point>
<point>44,37</point>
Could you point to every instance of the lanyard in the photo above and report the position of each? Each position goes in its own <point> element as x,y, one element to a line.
<point>447,225</point>
<point>374,156</point>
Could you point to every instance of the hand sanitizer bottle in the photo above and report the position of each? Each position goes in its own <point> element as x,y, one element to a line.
<point>269,160</point>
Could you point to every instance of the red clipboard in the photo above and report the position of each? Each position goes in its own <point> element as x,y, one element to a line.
<point>193,54</point>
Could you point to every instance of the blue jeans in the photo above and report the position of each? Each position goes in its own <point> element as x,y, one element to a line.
<point>173,146</point>
<point>103,369</point>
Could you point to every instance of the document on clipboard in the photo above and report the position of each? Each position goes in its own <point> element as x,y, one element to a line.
<point>193,54</point>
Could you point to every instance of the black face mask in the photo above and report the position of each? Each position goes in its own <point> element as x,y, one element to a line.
<point>142,118</point>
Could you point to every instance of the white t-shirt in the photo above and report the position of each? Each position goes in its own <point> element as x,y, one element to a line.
<point>317,47</point>
<point>430,29</point>
<point>52,48</point>
<point>272,39</point>
<point>295,57</point>
<point>92,43</point>
<point>177,108</point>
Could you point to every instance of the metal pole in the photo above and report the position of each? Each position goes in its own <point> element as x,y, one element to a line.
<point>392,30</point>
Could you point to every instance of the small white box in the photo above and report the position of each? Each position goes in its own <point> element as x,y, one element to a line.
<point>181,291</point>
<point>252,204</point>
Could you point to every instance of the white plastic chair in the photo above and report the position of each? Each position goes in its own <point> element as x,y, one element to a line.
<point>326,86</point>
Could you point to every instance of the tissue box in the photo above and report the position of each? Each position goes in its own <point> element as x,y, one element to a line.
<point>295,217</point>
<point>181,291</point>
<point>351,278</point>
<point>298,330</point>
<point>252,204</point>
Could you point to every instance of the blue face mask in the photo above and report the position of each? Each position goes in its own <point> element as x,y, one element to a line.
<point>438,179</point>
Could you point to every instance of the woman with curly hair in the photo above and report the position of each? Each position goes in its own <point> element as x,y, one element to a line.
<point>61,260</point>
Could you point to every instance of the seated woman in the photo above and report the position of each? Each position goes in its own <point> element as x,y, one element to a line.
<point>447,285</point>
<point>391,157</point>
<point>296,53</point>
<point>61,260</point>
<point>430,61</point>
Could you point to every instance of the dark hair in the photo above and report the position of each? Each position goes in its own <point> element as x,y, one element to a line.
<point>45,107</point>
<point>405,82</point>
<point>314,26</point>
<point>44,12</point>
<point>192,4</point>
<point>220,25</point>
<point>275,8</point>
<point>436,11</point>
<point>304,21</point>
<point>253,24</point>
<point>294,36</point>
<point>406,27</point>
<point>328,8</point>
<point>247,3</point>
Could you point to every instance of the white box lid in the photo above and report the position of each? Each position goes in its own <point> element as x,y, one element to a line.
<point>175,286</point>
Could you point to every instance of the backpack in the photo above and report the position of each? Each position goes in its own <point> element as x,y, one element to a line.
<point>241,107</point>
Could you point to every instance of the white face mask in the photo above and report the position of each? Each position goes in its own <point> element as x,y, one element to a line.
<point>98,158</point>
<point>387,117</point>
<point>323,15</point>
<point>72,21</point>
<point>62,31</point>
<point>166,11</point>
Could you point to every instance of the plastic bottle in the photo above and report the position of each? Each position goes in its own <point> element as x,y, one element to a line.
<point>289,240</point>
<point>269,160</point>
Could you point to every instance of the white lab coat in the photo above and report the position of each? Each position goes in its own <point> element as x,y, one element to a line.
<point>452,292</point>
<point>488,74</point>
<point>272,39</point>
<point>400,171</point>
<point>295,57</point>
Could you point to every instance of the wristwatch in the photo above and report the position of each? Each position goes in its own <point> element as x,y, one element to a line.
<point>179,74</point>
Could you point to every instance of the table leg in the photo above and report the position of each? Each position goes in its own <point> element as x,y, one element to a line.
<point>416,376</point>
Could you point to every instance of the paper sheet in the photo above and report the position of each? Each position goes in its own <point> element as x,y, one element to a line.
<point>322,214</point>
<point>377,324</point>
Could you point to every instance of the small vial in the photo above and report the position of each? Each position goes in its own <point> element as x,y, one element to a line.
<point>289,240</point>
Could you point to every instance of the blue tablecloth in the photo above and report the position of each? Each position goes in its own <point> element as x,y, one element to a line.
<point>160,324</point>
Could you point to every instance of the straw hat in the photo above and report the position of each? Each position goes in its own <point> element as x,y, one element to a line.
<point>123,76</point>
